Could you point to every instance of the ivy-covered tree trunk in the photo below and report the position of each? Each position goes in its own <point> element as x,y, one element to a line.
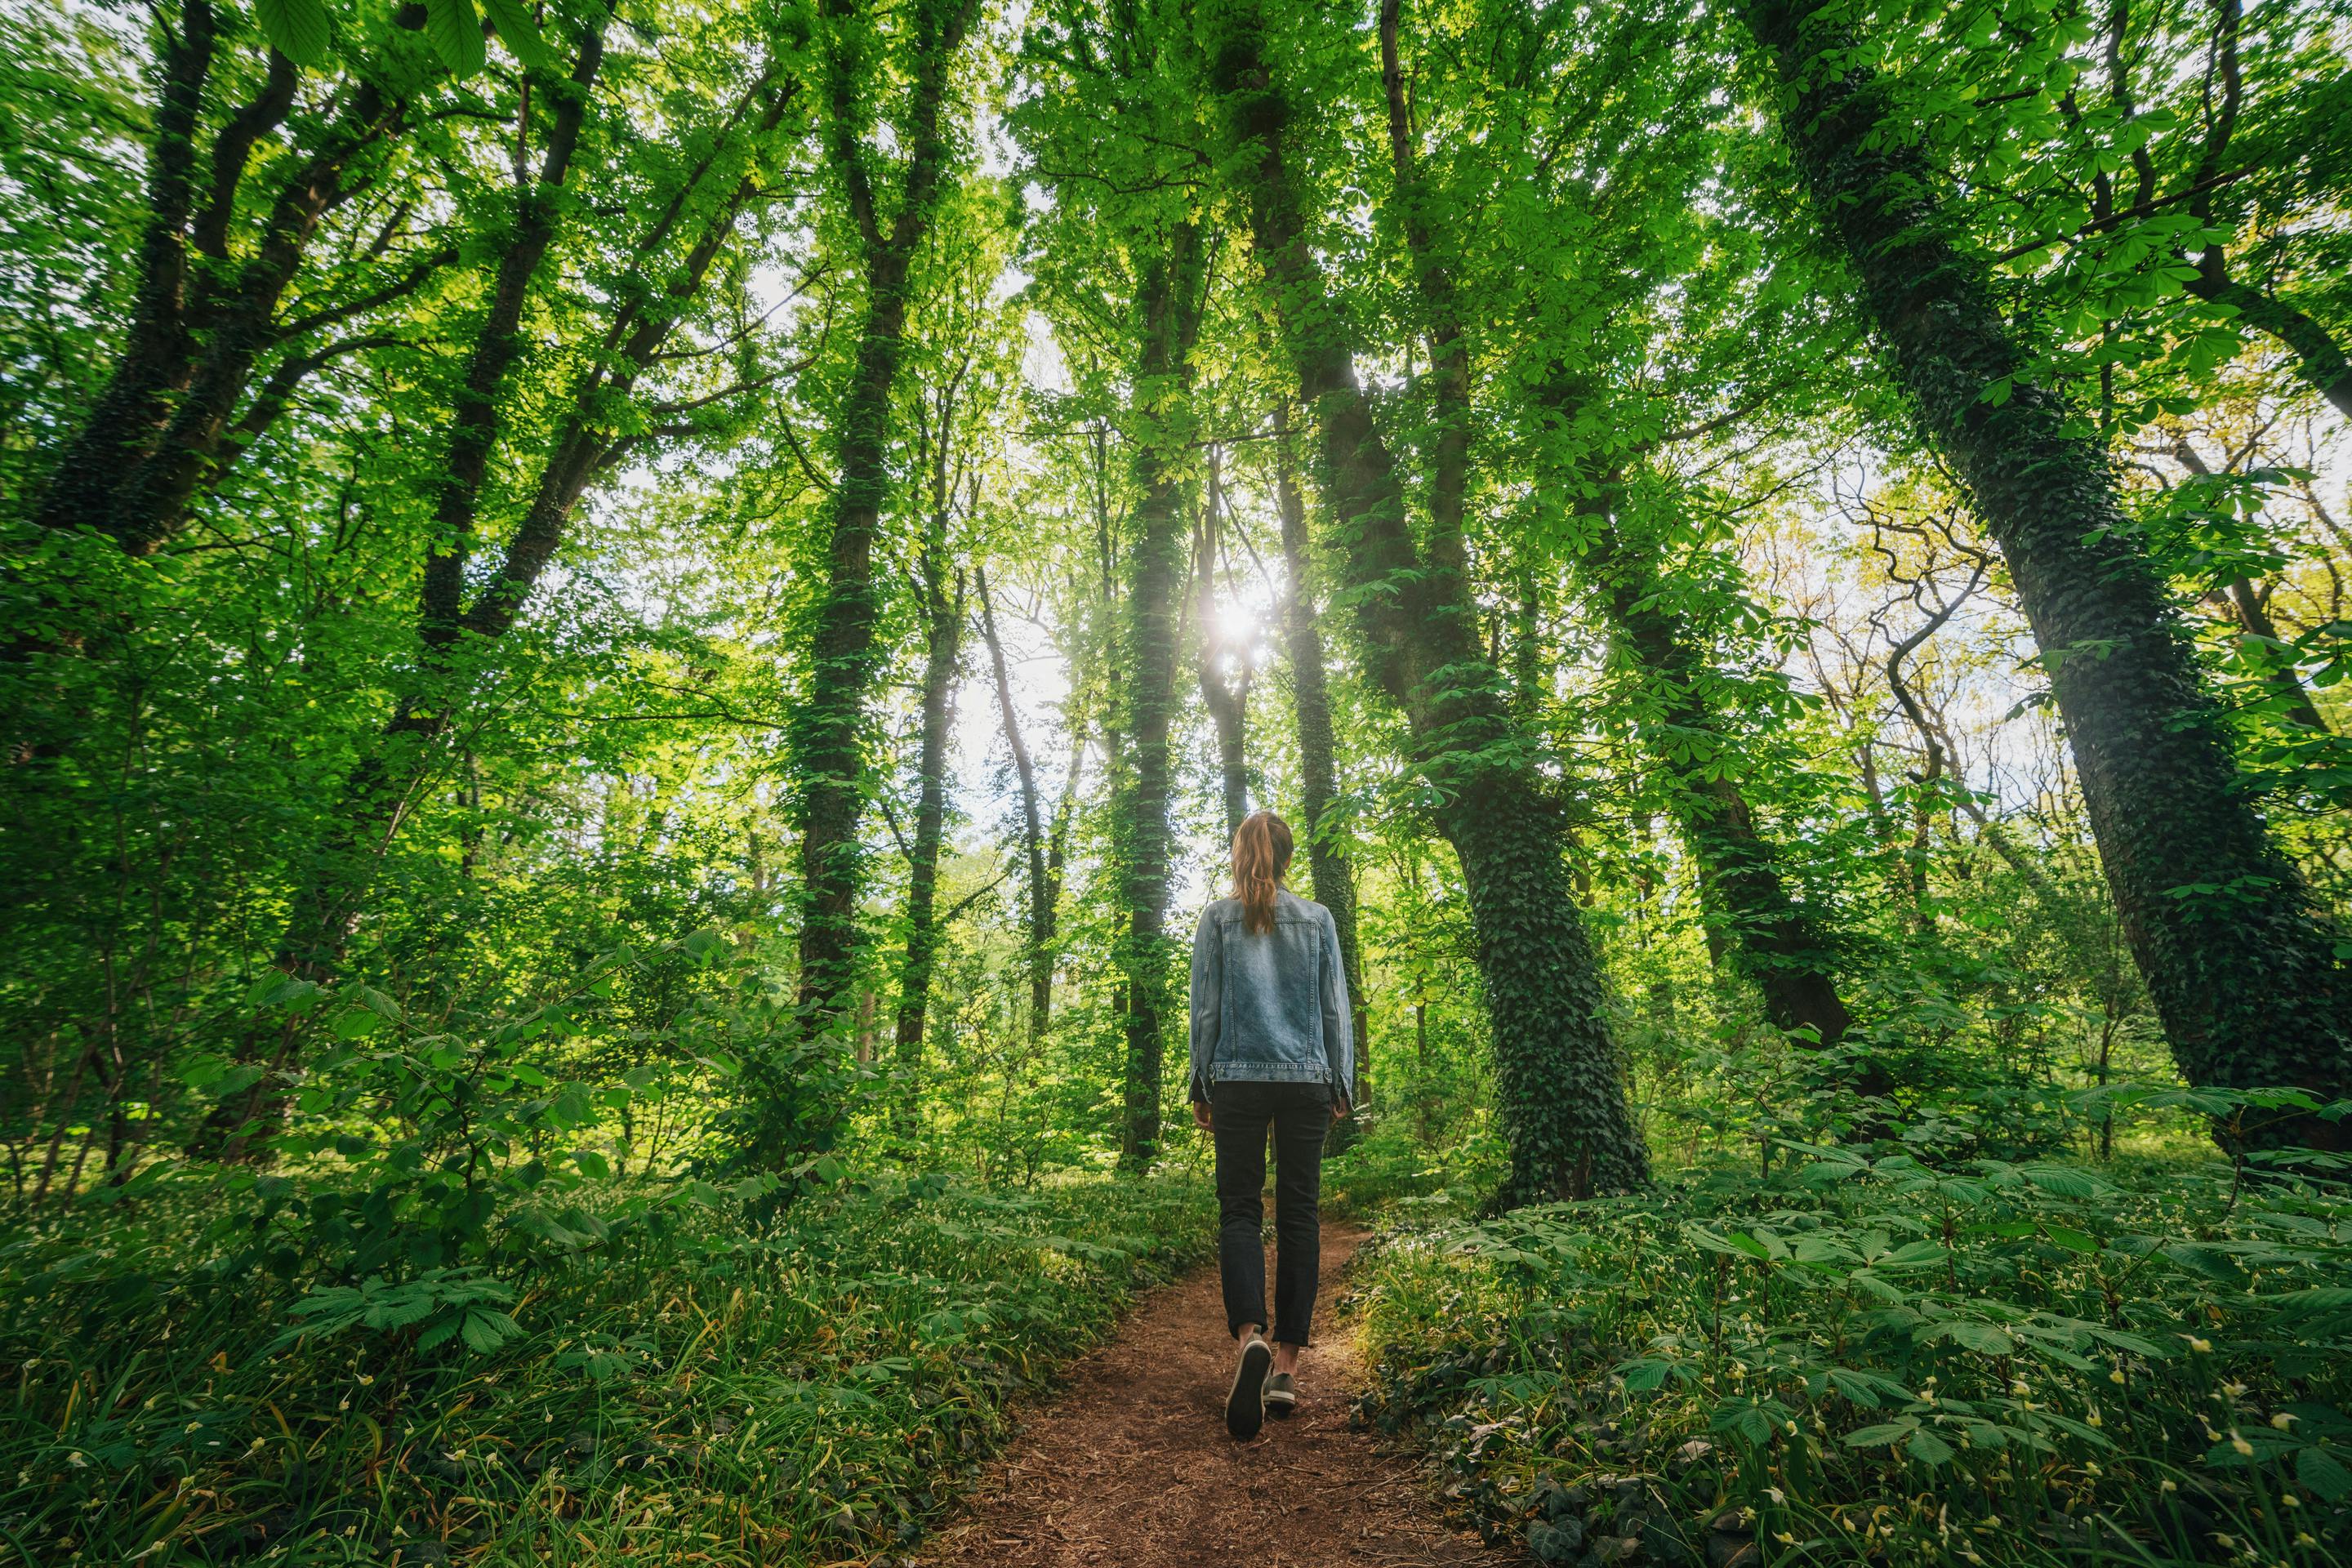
<point>1310,700</point>
<point>826,741</point>
<point>1559,1088</point>
<point>154,365</point>
<point>942,653</point>
<point>475,421</point>
<point>397,767</point>
<point>1043,877</point>
<point>205,310</point>
<point>2240,966</point>
<point>1169,302</point>
<point>1774,944</point>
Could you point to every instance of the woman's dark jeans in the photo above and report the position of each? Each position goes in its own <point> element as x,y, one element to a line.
<point>1299,1114</point>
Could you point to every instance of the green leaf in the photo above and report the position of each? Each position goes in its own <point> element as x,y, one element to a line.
<point>1983,1338</point>
<point>237,1080</point>
<point>1928,1448</point>
<point>457,34</point>
<point>2324,1474</point>
<point>486,1331</point>
<point>515,31</point>
<point>1881,1435</point>
<point>297,28</point>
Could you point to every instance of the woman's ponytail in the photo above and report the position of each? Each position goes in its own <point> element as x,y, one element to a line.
<point>1261,855</point>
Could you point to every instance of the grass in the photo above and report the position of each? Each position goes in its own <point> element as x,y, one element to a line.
<point>1871,1360</point>
<point>807,1391</point>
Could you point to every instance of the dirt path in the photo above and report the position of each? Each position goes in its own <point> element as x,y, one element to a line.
<point>1131,1466</point>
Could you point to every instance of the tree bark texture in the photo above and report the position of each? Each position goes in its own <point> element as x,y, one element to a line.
<point>1326,862</point>
<point>1775,945</point>
<point>1559,1088</point>
<point>943,649</point>
<point>202,318</point>
<point>1169,302</point>
<point>2239,964</point>
<point>826,741</point>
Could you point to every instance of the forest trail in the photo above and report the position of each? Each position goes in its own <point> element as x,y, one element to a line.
<point>1131,1466</point>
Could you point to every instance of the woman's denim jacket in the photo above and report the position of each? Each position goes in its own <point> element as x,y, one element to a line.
<point>1271,1007</point>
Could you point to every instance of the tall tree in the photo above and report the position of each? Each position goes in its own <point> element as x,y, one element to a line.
<point>825,741</point>
<point>1223,673</point>
<point>2240,966</point>
<point>943,618</point>
<point>1560,1085</point>
<point>1035,848</point>
<point>1328,863</point>
<point>216,263</point>
<point>1773,941</point>
<point>600,419</point>
<point>1111,131</point>
<point>1169,281</point>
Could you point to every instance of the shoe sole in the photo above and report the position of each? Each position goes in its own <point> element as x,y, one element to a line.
<point>1280,1406</point>
<point>1245,1403</point>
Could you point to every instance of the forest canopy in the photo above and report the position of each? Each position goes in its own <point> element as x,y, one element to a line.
<point>634,632</point>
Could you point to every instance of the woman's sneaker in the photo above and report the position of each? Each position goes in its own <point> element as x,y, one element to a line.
<point>1281,1395</point>
<point>1245,1404</point>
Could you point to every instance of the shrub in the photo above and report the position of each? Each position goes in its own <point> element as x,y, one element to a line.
<point>799,1392</point>
<point>1860,1359</point>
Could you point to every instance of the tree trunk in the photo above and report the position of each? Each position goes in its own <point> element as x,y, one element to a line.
<point>1225,697</point>
<point>1327,860</point>
<point>198,331</point>
<point>130,413</point>
<point>475,423</point>
<point>396,770</point>
<point>1169,301</point>
<point>1558,1080</point>
<point>2239,963</point>
<point>1042,877</point>
<point>944,623</point>
<point>825,740</point>
<point>1773,942</point>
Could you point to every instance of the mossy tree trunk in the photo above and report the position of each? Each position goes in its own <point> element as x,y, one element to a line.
<point>1170,276</point>
<point>1559,1088</point>
<point>206,310</point>
<point>943,614</point>
<point>826,740</point>
<point>2241,966</point>
<point>1773,941</point>
<point>1327,863</point>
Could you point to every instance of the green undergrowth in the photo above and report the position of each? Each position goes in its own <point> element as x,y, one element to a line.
<point>808,1391</point>
<point>1871,1360</point>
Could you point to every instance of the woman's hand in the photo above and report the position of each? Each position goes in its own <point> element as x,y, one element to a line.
<point>1201,1117</point>
<point>1339,1110</point>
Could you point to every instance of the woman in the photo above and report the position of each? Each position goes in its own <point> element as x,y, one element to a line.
<point>1271,1048</point>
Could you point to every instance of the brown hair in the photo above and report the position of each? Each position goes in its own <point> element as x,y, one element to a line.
<point>1261,855</point>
